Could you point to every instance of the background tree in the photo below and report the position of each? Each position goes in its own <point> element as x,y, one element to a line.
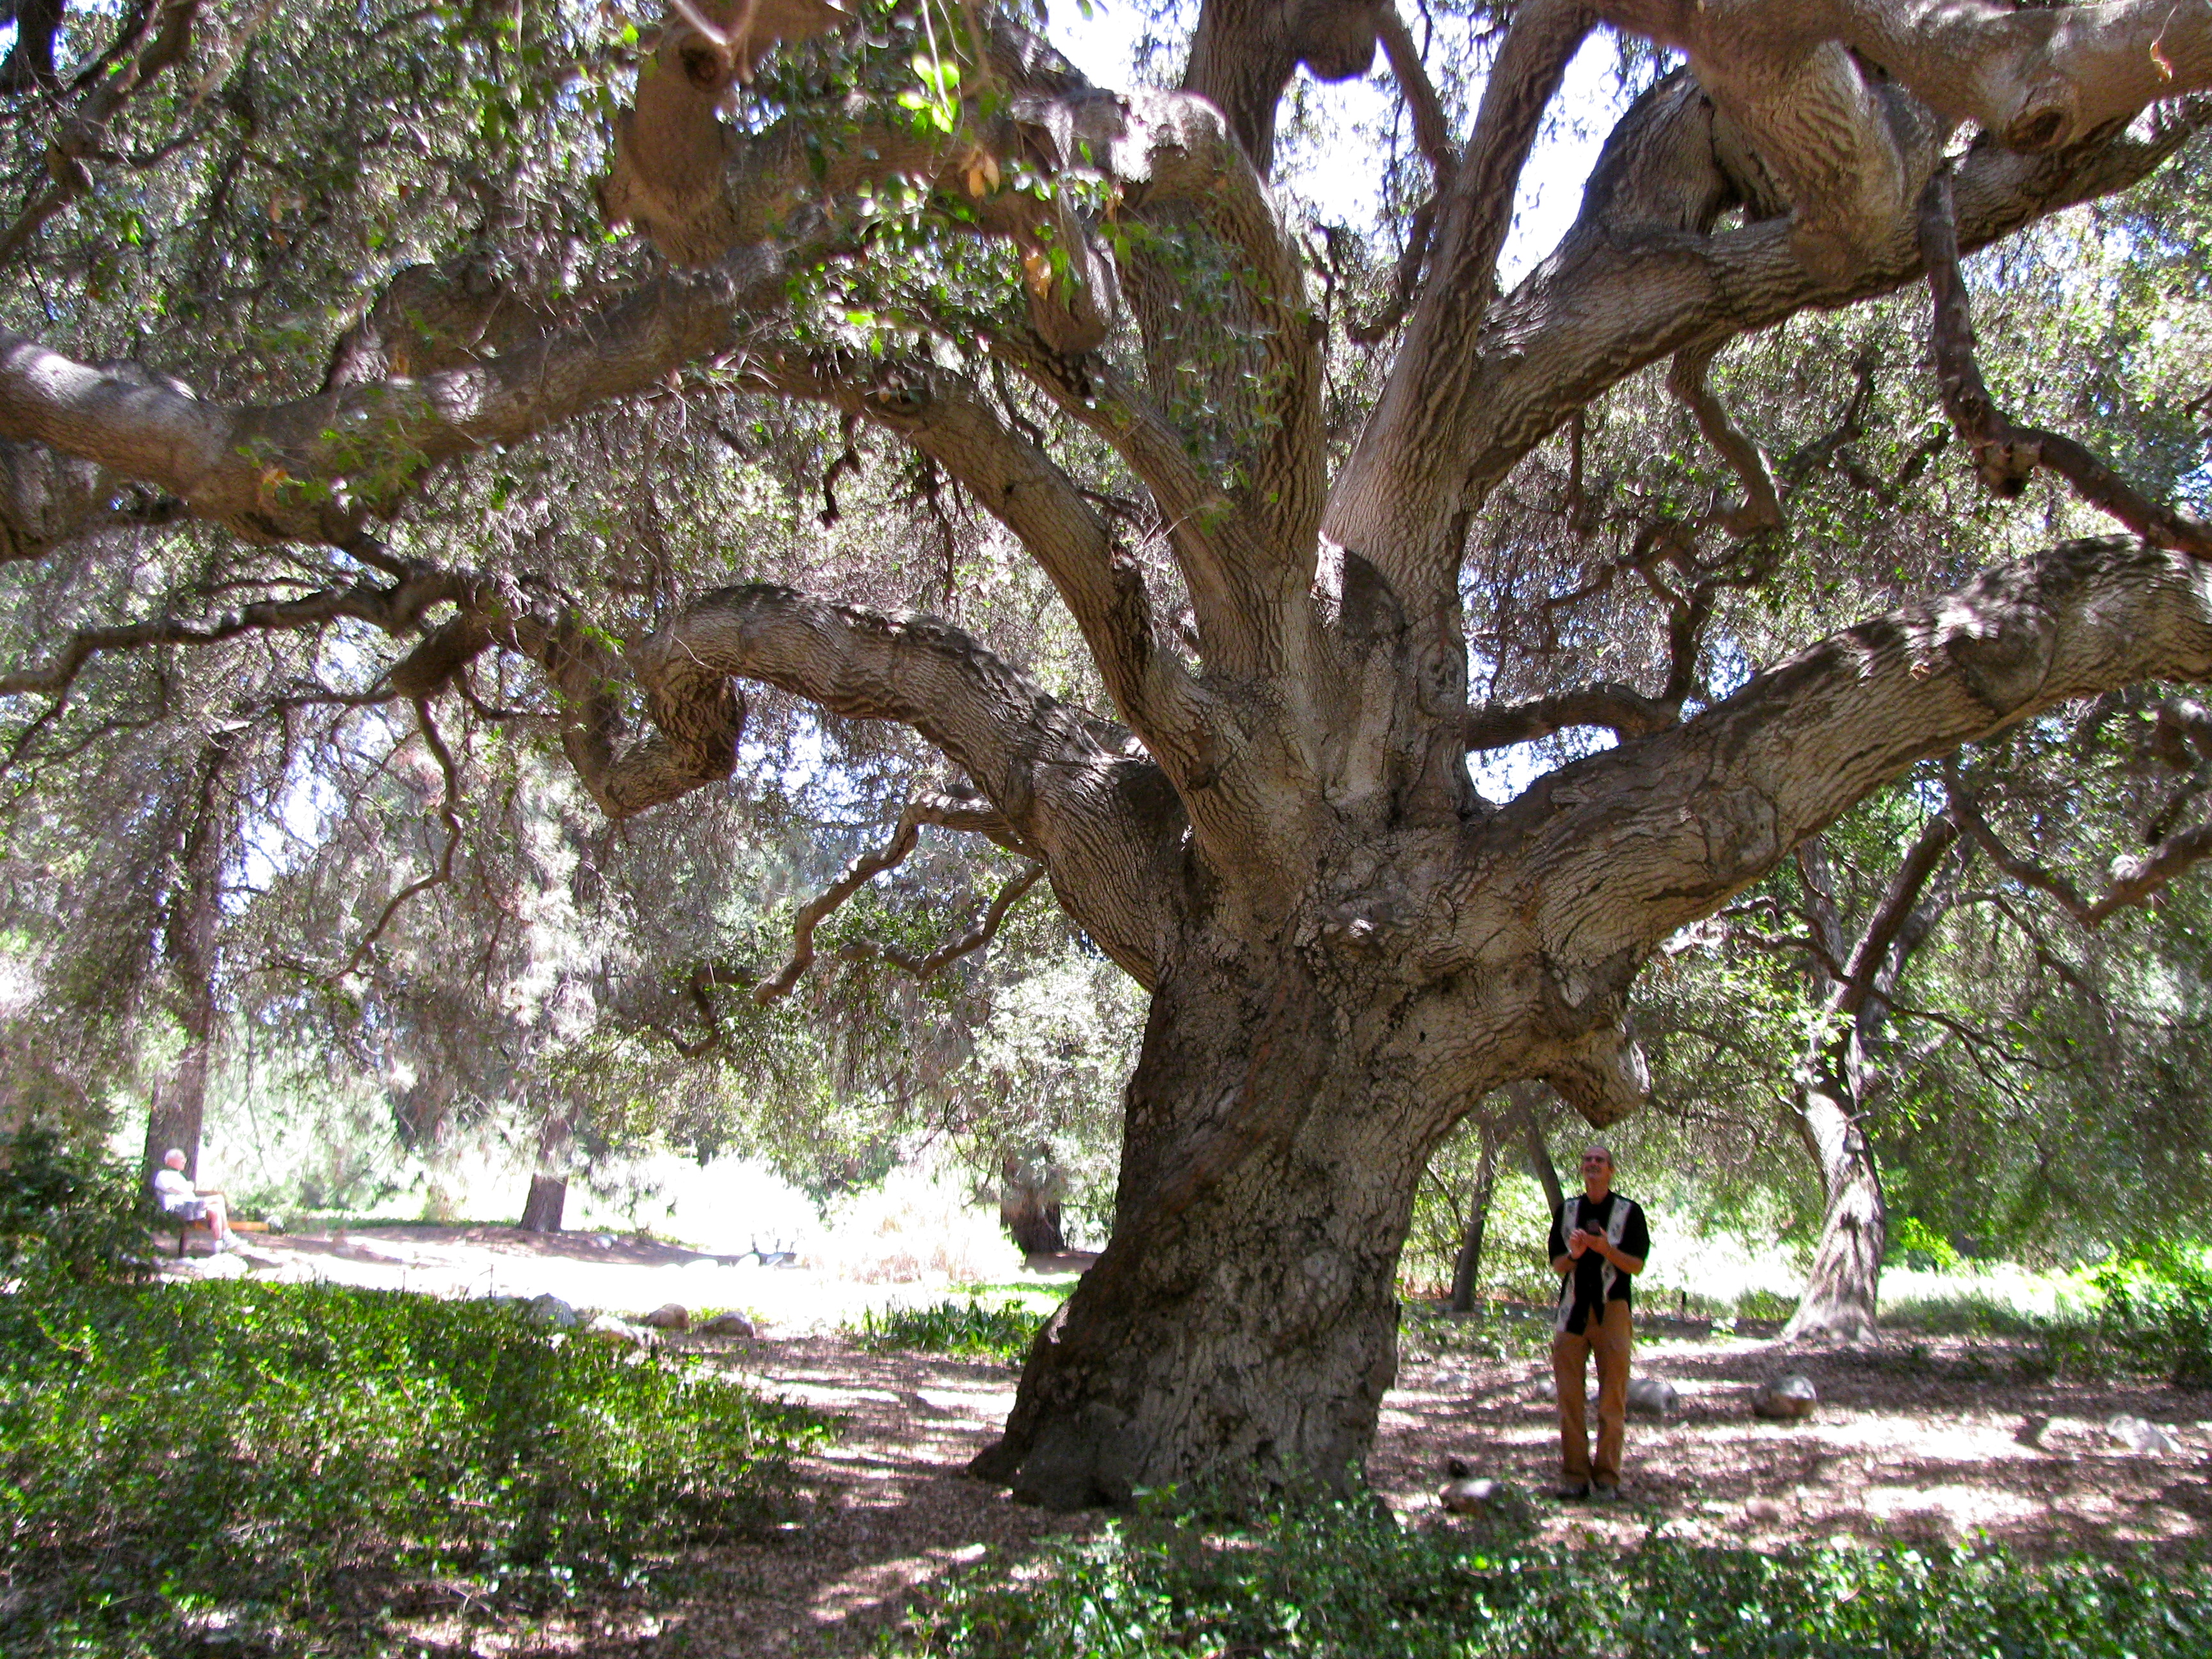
<point>1088,317</point>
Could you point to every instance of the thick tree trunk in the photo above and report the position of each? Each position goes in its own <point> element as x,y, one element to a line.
<point>541,1211</point>
<point>1239,1332</point>
<point>1469,1263</point>
<point>1838,1303</point>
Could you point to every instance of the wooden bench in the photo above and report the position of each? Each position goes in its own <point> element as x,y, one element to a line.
<point>167,1221</point>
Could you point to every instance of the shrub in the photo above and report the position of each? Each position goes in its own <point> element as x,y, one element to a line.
<point>68,1215</point>
<point>287,1463</point>
<point>968,1329</point>
<point>1348,1582</point>
<point>1915,1244</point>
<point>2156,1314</point>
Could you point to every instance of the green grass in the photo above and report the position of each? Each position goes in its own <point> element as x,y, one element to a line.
<point>286,1468</point>
<point>1347,1582</point>
<point>968,1329</point>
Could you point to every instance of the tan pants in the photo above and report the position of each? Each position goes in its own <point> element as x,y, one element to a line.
<point>1609,1339</point>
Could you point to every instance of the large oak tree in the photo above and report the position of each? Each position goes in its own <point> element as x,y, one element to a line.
<point>1274,828</point>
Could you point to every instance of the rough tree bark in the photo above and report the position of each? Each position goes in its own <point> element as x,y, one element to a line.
<point>1278,834</point>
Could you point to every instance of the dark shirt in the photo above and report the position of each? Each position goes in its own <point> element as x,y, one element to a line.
<point>1590,1269</point>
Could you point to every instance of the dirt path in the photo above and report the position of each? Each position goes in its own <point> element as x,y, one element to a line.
<point>1940,1441</point>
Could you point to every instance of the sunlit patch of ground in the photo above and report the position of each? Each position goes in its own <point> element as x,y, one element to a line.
<point>1938,1440</point>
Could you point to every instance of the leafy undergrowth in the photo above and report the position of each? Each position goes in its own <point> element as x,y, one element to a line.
<point>1350,1582</point>
<point>290,1468</point>
<point>966,1329</point>
<point>1493,1331</point>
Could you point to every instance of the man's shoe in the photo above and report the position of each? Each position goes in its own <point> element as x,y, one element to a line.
<point>1571,1491</point>
<point>1605,1492</point>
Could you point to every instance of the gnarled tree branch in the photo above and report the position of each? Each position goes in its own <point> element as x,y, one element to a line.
<point>2133,879</point>
<point>1722,798</point>
<point>2006,454</point>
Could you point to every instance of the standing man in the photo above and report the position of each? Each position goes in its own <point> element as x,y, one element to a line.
<point>1598,1245</point>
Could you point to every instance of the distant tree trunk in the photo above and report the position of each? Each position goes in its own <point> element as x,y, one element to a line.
<point>1836,1077</point>
<point>1525,1097</point>
<point>1840,1293</point>
<point>179,1107</point>
<point>1469,1263</point>
<point>541,1211</point>
<point>549,1190</point>
<point>1029,1204</point>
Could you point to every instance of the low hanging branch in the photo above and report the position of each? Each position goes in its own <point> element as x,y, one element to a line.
<point>2006,454</point>
<point>929,809</point>
<point>951,951</point>
<point>442,872</point>
<point>2134,879</point>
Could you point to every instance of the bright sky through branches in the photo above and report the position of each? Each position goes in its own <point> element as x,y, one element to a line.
<point>1337,185</point>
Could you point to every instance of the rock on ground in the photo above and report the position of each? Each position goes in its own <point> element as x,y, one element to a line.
<point>2141,1435</point>
<point>668,1317</point>
<point>1653,1396</point>
<point>1786,1399</point>
<point>727,1324</point>
<point>621,1329</point>
<point>550,1311</point>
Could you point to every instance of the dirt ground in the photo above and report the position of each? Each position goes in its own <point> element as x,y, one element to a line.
<point>1923,1441</point>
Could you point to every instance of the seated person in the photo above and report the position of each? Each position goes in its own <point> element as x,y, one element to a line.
<point>176,1194</point>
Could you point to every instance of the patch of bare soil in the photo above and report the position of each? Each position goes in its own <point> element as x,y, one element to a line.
<point>1926,1441</point>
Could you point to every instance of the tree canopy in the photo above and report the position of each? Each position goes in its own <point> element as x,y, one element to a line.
<point>455,457</point>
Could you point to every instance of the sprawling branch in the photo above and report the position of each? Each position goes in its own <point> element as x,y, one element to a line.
<point>2133,879</point>
<point>164,36</point>
<point>1628,286</point>
<point>1619,709</point>
<point>1722,798</point>
<point>396,608</point>
<point>2006,454</point>
<point>947,419</point>
<point>319,468</point>
<point>1072,790</point>
<point>817,910</point>
<point>1380,499</point>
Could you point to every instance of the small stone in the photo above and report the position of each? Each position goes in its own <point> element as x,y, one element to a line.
<point>1786,1399</point>
<point>1472,1496</point>
<point>2141,1436</point>
<point>668,1317</point>
<point>621,1329</point>
<point>1653,1396</point>
<point>550,1311</point>
<point>1763,1509</point>
<point>727,1324</point>
<point>602,1241</point>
